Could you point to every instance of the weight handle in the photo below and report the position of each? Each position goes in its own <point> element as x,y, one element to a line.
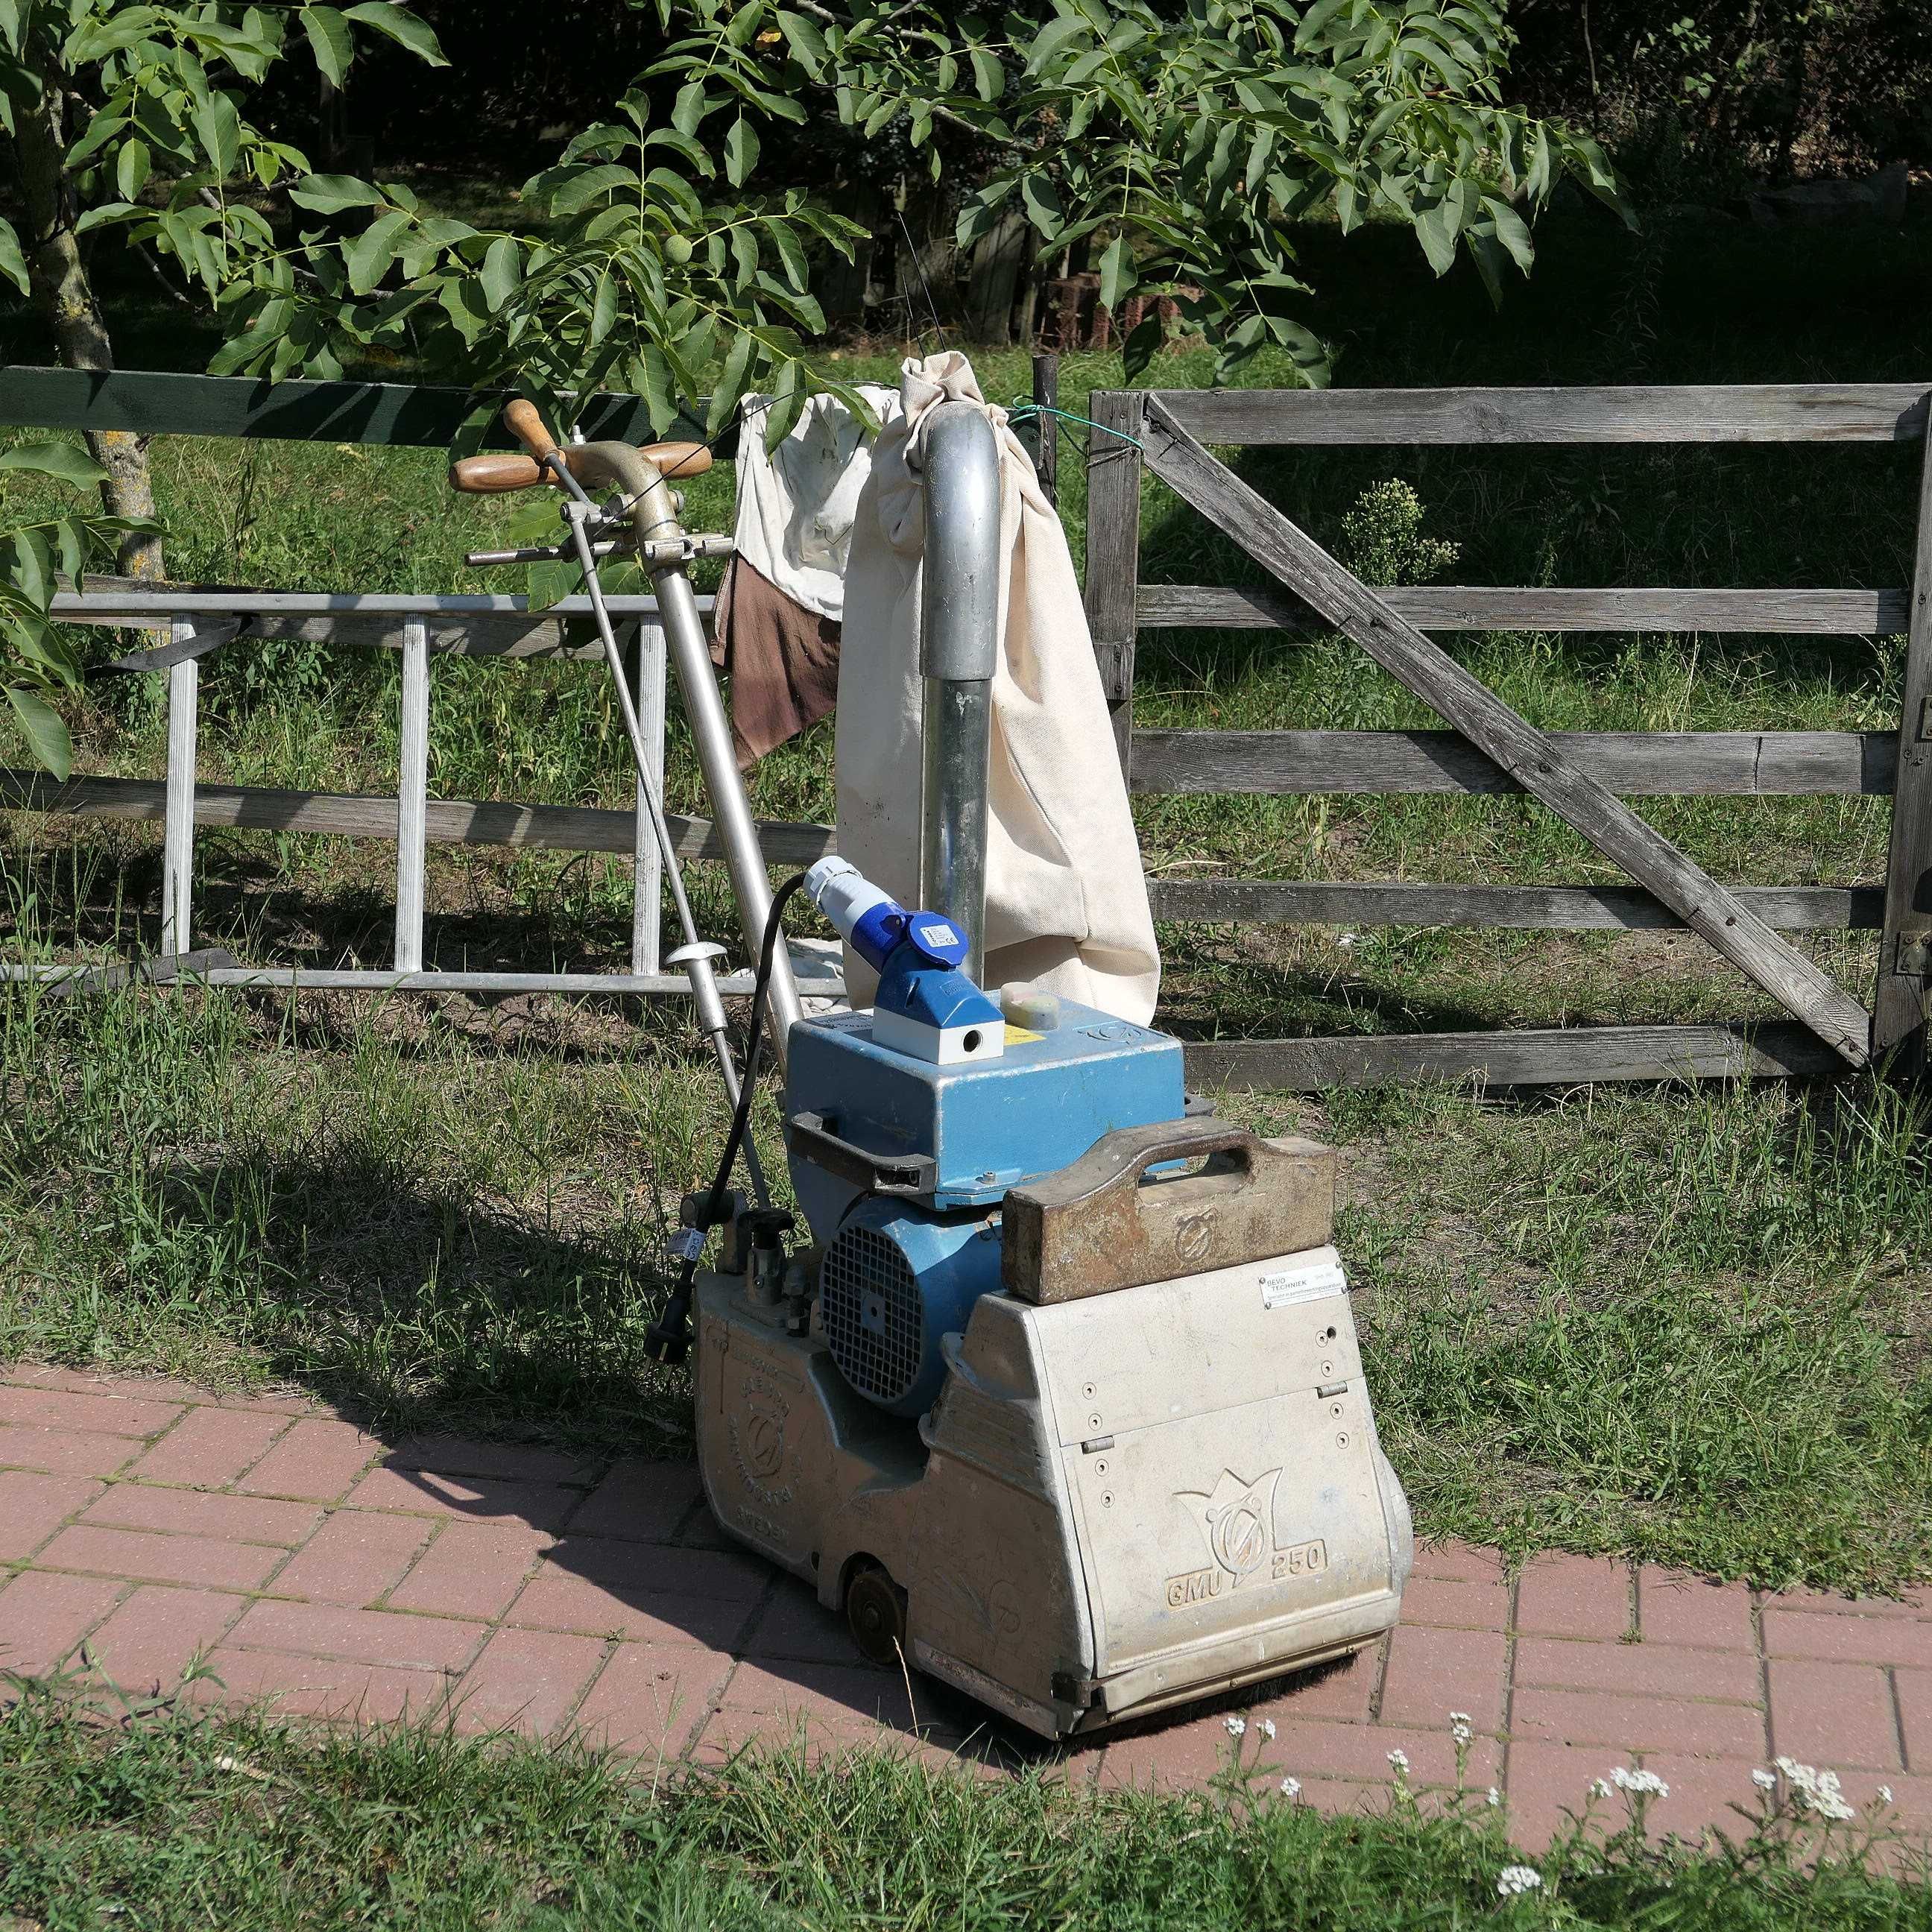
<point>1212,1137</point>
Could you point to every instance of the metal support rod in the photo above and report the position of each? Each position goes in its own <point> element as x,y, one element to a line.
<point>412,797</point>
<point>959,643</point>
<point>646,941</point>
<point>698,967</point>
<point>177,834</point>
<point>654,512</point>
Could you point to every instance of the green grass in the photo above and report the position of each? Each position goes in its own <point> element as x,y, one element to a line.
<point>165,1820</point>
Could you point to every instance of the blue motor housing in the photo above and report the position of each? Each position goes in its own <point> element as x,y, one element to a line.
<point>896,1279</point>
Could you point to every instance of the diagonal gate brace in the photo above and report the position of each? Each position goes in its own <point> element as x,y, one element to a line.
<point>1531,756</point>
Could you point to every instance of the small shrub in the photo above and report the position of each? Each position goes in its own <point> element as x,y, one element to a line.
<point>1382,541</point>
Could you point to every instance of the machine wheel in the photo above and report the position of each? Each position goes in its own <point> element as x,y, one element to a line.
<point>875,1607</point>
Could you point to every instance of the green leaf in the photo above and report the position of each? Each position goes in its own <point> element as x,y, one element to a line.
<point>1118,274</point>
<point>806,42</point>
<point>66,461</point>
<point>42,727</point>
<point>577,194</point>
<point>989,78</point>
<point>731,383</point>
<point>650,375</point>
<point>1435,229</point>
<point>688,110</point>
<point>330,40</point>
<point>684,145</point>
<point>1058,32</point>
<point>403,28</point>
<point>13,263</point>
<point>70,535</point>
<point>327,194</point>
<point>106,125</point>
<point>218,128</point>
<point>131,169</point>
<point>367,258</point>
<point>102,212</point>
<point>790,253</point>
<point>502,270</point>
<point>741,151</point>
<point>1043,203</point>
<point>1312,22</point>
<point>32,568</point>
<point>1143,342</point>
<point>603,309</point>
<point>1512,232</point>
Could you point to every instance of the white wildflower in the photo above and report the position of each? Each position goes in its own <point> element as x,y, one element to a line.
<point>1817,1791</point>
<point>1600,1787</point>
<point>1345,941</point>
<point>1885,1794</point>
<point>1237,1726</point>
<point>1765,1780</point>
<point>1399,1760</point>
<point>1266,1727</point>
<point>1514,1880</point>
<point>1495,1798</point>
<point>1643,1783</point>
<point>1460,1727</point>
<point>1290,1787</point>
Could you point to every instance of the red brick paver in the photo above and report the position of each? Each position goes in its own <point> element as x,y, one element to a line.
<point>304,1562</point>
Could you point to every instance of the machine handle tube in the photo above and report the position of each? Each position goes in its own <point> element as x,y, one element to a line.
<point>959,645</point>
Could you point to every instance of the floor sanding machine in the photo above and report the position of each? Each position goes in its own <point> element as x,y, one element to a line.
<point>1059,1398</point>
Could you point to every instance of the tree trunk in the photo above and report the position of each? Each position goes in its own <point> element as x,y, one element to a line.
<point>66,298</point>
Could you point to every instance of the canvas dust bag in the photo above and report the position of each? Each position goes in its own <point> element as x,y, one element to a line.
<point>1067,902</point>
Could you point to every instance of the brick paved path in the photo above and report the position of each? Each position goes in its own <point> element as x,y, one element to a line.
<point>505,1586</point>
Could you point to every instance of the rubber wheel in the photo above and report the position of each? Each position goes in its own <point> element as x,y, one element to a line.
<point>875,1607</point>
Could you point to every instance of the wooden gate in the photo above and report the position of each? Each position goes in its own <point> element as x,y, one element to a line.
<point>1578,776</point>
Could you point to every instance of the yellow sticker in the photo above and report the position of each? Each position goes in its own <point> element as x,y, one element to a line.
<point>1019,1036</point>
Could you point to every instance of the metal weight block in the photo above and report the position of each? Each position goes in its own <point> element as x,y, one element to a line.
<point>1106,1223</point>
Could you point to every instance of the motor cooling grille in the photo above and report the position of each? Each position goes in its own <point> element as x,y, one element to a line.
<point>869,1304</point>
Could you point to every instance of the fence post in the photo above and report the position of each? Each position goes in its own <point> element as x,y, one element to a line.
<point>647,861</point>
<point>413,796</point>
<point>1046,429</point>
<point>178,831</point>
<point>1114,550</point>
<point>1899,1005</point>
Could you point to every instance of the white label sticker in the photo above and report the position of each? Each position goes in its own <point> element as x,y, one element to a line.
<point>936,935</point>
<point>1303,1284</point>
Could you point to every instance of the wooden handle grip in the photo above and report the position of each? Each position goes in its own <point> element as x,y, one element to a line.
<point>523,421</point>
<point>676,462</point>
<point>496,476</point>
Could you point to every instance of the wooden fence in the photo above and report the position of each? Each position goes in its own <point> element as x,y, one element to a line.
<point>1583,777</point>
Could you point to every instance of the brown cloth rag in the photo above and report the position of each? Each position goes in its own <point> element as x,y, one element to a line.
<point>782,660</point>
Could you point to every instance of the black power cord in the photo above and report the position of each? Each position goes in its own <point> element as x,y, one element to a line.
<point>668,1338</point>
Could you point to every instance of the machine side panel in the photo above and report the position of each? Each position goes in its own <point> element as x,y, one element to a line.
<point>1221,1460</point>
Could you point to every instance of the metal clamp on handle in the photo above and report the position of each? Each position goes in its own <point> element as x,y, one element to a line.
<point>1094,1226</point>
<point>811,1137</point>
